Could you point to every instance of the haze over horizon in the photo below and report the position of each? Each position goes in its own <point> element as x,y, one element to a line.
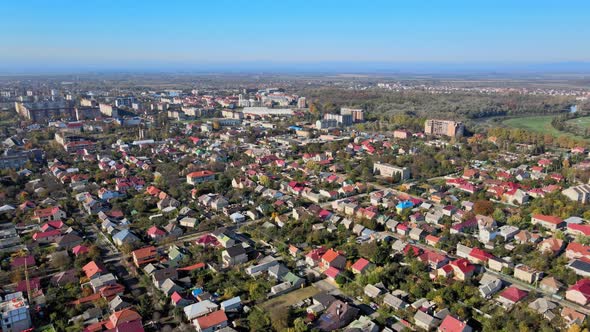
<point>297,36</point>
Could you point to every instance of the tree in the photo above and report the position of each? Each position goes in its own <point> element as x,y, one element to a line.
<point>499,215</point>
<point>256,291</point>
<point>299,325</point>
<point>483,207</point>
<point>258,320</point>
<point>574,328</point>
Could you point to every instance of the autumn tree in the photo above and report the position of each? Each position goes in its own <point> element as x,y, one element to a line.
<point>483,207</point>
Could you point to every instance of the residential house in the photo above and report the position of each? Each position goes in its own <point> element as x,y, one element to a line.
<point>232,304</point>
<point>487,228</point>
<point>155,233</point>
<point>200,177</point>
<point>527,274</point>
<point>360,266</point>
<point>551,245</point>
<point>188,222</point>
<point>489,286</point>
<point>338,315</point>
<point>394,302</point>
<point>364,324</point>
<point>160,276</point>
<point>580,292</point>
<point>452,324</point>
<point>314,257</point>
<point>371,291</point>
<point>49,214</point>
<point>425,321</point>
<point>571,316</point>
<point>175,255</point>
<point>94,269</point>
<point>144,256</point>
<point>234,255</point>
<point>125,237</point>
<point>47,237</point>
<point>68,241</point>
<point>262,265</point>
<point>550,284</point>
<point>576,250</point>
<point>508,232</point>
<point>511,296</point>
<point>580,267</point>
<point>334,259</point>
<point>199,309</point>
<point>544,307</point>
<point>552,223</point>
<point>179,301</point>
<point>433,259</point>
<point>211,322</point>
<point>462,269</point>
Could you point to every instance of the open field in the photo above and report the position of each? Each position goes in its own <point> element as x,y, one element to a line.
<point>289,299</point>
<point>540,124</point>
<point>583,122</point>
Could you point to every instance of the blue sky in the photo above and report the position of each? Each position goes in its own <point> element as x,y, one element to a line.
<point>135,33</point>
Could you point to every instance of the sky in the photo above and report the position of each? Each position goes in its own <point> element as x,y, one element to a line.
<point>315,33</point>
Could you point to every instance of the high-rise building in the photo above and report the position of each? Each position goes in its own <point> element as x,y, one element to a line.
<point>326,124</point>
<point>45,110</point>
<point>358,115</point>
<point>108,110</point>
<point>124,101</point>
<point>343,120</point>
<point>87,102</point>
<point>444,128</point>
<point>301,102</point>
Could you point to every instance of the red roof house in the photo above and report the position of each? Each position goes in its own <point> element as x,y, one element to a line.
<point>211,322</point>
<point>79,250</point>
<point>511,295</point>
<point>360,266</point>
<point>579,292</point>
<point>93,269</point>
<point>452,324</point>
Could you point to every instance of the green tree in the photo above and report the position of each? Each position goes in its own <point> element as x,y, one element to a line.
<point>258,320</point>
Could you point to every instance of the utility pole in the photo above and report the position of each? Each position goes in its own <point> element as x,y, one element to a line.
<point>27,282</point>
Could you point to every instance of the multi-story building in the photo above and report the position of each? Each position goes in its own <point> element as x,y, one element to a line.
<point>229,114</point>
<point>74,143</point>
<point>108,110</point>
<point>326,124</point>
<point>85,113</point>
<point>87,102</point>
<point>343,120</point>
<point>17,159</point>
<point>444,128</point>
<point>388,170</point>
<point>301,102</point>
<point>45,110</point>
<point>125,101</point>
<point>358,115</point>
<point>15,313</point>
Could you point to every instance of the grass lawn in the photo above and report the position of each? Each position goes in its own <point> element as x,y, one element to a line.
<point>583,122</point>
<point>288,299</point>
<point>540,124</point>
